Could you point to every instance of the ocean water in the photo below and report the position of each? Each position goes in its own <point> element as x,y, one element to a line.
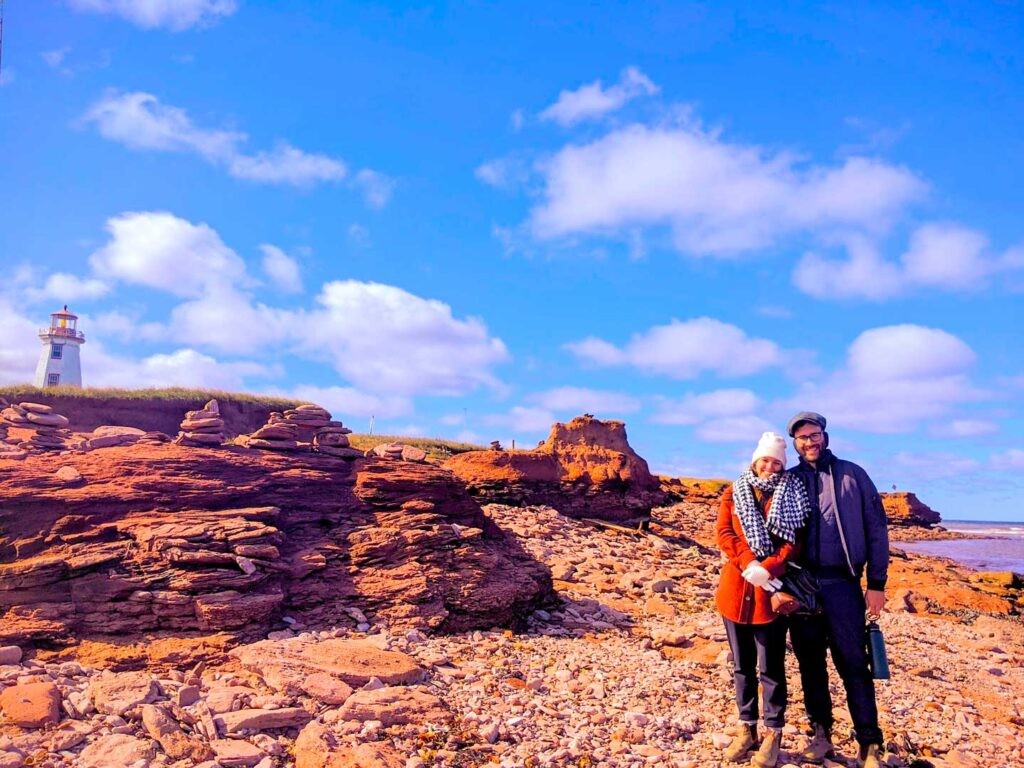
<point>1002,550</point>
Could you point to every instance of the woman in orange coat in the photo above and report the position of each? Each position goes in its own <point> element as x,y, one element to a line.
<point>758,525</point>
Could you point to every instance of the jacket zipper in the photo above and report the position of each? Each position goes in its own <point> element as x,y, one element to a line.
<point>839,521</point>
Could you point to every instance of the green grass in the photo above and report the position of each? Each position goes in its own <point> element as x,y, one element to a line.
<point>25,392</point>
<point>436,448</point>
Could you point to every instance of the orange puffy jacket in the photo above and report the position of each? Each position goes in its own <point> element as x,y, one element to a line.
<point>737,599</point>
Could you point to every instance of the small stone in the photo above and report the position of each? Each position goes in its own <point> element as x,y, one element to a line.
<point>10,654</point>
<point>262,719</point>
<point>235,752</point>
<point>68,475</point>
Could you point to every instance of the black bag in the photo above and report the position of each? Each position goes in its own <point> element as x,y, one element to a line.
<point>798,594</point>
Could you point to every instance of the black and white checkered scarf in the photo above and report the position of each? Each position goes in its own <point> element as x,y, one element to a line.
<point>789,511</point>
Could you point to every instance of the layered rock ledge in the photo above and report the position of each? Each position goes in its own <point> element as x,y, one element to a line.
<point>158,540</point>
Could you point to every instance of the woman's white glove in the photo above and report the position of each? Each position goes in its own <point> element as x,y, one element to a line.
<point>757,575</point>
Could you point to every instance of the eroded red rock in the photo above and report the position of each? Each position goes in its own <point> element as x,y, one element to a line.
<point>167,541</point>
<point>586,468</point>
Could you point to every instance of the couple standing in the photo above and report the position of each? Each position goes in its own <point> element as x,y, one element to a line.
<point>826,515</point>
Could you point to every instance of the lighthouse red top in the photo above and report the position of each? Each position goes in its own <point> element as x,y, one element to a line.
<point>63,323</point>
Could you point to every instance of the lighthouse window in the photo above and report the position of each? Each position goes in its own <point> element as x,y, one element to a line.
<point>57,351</point>
<point>53,380</point>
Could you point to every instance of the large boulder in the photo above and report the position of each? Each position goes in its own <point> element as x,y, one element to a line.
<point>585,468</point>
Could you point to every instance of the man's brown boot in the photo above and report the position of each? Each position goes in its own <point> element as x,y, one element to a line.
<point>868,757</point>
<point>768,755</point>
<point>745,741</point>
<point>819,747</point>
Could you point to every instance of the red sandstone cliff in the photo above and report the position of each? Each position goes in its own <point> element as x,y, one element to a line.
<point>585,468</point>
<point>904,508</point>
<point>183,540</point>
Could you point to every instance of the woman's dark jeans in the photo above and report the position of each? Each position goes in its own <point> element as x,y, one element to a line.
<point>759,648</point>
<point>840,629</point>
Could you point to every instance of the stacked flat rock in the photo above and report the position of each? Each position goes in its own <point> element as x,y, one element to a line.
<point>110,436</point>
<point>203,427</point>
<point>398,452</point>
<point>308,418</point>
<point>49,429</point>
<point>4,405</point>
<point>333,440</point>
<point>278,434</point>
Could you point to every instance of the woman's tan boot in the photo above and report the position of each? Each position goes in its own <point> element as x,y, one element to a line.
<point>819,747</point>
<point>768,755</point>
<point>745,741</point>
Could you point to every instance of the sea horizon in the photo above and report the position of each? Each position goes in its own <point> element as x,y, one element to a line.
<point>1001,549</point>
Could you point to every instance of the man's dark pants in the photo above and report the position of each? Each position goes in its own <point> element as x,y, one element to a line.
<point>759,647</point>
<point>840,629</point>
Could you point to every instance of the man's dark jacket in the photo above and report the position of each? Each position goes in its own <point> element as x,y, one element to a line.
<point>861,516</point>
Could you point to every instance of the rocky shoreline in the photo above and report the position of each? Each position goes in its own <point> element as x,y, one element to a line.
<point>628,669</point>
<point>174,606</point>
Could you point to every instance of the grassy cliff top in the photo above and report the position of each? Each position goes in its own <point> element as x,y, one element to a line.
<point>436,448</point>
<point>26,392</point>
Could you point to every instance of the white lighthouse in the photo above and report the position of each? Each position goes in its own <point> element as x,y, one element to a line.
<point>59,361</point>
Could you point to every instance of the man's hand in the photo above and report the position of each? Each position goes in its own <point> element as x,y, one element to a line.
<point>875,599</point>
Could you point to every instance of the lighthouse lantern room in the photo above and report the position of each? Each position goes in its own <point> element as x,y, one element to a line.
<point>59,361</point>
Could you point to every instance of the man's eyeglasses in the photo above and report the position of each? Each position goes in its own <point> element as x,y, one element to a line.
<point>814,437</point>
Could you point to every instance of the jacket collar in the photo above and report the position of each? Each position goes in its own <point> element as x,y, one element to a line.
<point>825,462</point>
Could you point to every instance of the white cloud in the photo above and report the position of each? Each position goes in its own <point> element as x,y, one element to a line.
<point>946,256</point>
<point>183,367</point>
<point>717,197</point>
<point>522,418</point>
<point>864,274</point>
<point>287,165</point>
<point>175,15</point>
<point>503,173</point>
<point>139,121</point>
<point>7,76</point>
<point>592,101</point>
<point>684,350</point>
<point>1010,459</point>
<point>895,378</point>
<point>281,268</point>
<point>348,402</point>
<point>775,311</point>
<point>376,187</point>
<point>517,119</point>
<point>964,428</point>
<point>385,339</point>
<point>933,465</point>
<point>19,345</point>
<point>695,408</point>
<point>734,429</point>
<point>582,400</point>
<point>64,287</point>
<point>940,255</point>
<point>907,352</point>
<point>162,251</point>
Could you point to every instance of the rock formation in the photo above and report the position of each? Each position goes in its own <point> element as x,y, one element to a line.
<point>109,436</point>
<point>398,452</point>
<point>585,468</point>
<point>204,427</point>
<point>905,508</point>
<point>170,539</point>
<point>46,430</point>
<point>332,440</point>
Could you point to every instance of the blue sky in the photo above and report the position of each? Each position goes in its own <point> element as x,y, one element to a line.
<point>470,221</point>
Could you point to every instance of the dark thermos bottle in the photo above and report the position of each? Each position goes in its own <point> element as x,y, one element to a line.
<point>876,652</point>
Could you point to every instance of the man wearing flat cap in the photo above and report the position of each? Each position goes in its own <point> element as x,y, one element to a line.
<point>847,536</point>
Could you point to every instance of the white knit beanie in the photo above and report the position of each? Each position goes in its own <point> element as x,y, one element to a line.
<point>771,444</point>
